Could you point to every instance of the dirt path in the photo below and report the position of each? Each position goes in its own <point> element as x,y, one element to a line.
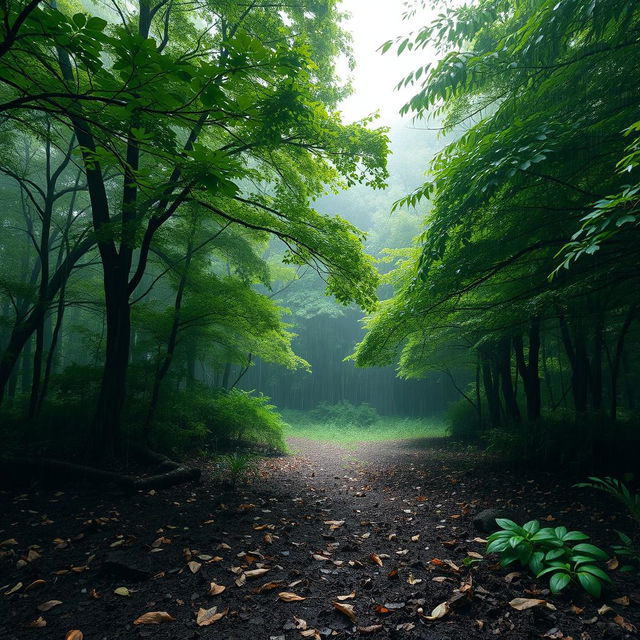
<point>313,520</point>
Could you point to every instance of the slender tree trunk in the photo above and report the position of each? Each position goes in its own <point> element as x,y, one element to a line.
<point>577,354</point>
<point>617,360</point>
<point>491,391</point>
<point>503,354</point>
<point>529,372</point>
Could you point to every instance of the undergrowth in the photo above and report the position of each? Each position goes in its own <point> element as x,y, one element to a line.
<point>302,424</point>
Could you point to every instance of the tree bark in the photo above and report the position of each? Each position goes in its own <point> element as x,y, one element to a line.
<point>530,372</point>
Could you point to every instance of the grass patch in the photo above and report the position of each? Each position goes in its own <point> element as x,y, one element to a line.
<point>301,425</point>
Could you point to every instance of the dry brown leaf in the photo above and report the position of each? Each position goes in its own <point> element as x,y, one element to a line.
<point>13,589</point>
<point>334,524</point>
<point>256,573</point>
<point>74,634</point>
<point>38,623</point>
<point>604,609</point>
<point>520,604</point>
<point>287,596</point>
<point>267,586</point>
<point>612,563</point>
<point>154,617</point>
<point>374,557</point>
<point>36,583</point>
<point>474,554</point>
<point>49,604</point>
<point>216,589</point>
<point>439,612</point>
<point>299,623</point>
<point>440,579</point>
<point>625,601</point>
<point>9,542</point>
<point>627,626</point>
<point>413,580</point>
<point>194,566</point>
<point>205,617</point>
<point>577,610</point>
<point>349,596</point>
<point>370,629</point>
<point>346,609</point>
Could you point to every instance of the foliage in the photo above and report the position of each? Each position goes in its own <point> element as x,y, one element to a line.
<point>345,414</point>
<point>546,551</point>
<point>629,551</point>
<point>301,425</point>
<point>626,549</point>
<point>200,417</point>
<point>619,491</point>
<point>237,466</point>
<point>526,174</point>
<point>463,423</point>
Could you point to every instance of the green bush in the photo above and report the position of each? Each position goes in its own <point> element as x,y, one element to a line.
<point>463,423</point>
<point>345,414</point>
<point>194,419</point>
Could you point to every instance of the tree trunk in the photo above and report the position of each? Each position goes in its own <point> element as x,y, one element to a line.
<point>617,360</point>
<point>490,390</point>
<point>529,372</point>
<point>503,355</point>
<point>576,350</point>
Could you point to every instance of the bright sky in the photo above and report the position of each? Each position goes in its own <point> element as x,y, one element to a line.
<point>372,23</point>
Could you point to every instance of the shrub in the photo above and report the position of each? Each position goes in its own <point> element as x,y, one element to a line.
<point>463,423</point>
<point>193,419</point>
<point>345,414</point>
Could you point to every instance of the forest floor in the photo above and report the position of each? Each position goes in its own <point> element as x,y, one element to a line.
<point>381,529</point>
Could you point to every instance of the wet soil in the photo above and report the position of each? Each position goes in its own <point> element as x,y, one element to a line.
<point>389,522</point>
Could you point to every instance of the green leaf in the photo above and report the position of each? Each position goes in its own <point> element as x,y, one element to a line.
<point>559,581</point>
<point>590,583</point>
<point>504,523</point>
<point>595,571</point>
<point>591,549</point>
<point>79,19</point>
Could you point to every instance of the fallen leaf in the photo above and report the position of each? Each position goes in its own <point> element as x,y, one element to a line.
<point>604,609</point>
<point>49,604</point>
<point>370,629</point>
<point>520,604</point>
<point>346,609</point>
<point>349,596</point>
<point>335,524</point>
<point>74,634</point>
<point>35,584</point>
<point>216,589</point>
<point>412,580</point>
<point>577,610</point>
<point>299,623</point>
<point>13,589</point>
<point>36,624</point>
<point>122,591</point>
<point>474,554</point>
<point>381,609</point>
<point>627,626</point>
<point>154,617</point>
<point>439,612</point>
<point>194,566</point>
<point>374,557</point>
<point>287,596</point>
<point>267,586</point>
<point>9,542</point>
<point>255,573</point>
<point>612,563</point>
<point>625,601</point>
<point>205,617</point>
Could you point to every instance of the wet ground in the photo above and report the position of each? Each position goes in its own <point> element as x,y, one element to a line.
<point>328,542</point>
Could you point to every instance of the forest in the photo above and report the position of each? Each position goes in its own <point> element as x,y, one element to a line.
<point>280,358</point>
